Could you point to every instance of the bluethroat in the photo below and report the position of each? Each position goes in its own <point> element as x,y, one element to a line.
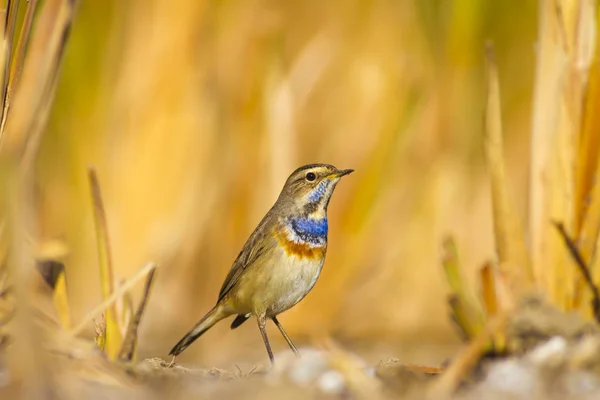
<point>282,259</point>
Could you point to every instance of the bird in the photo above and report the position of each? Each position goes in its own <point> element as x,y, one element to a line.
<point>281,260</point>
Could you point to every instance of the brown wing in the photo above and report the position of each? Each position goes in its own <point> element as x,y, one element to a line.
<point>256,246</point>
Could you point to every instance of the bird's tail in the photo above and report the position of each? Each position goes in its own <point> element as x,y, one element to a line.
<point>211,318</point>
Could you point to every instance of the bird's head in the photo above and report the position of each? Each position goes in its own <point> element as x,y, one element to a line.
<point>309,188</point>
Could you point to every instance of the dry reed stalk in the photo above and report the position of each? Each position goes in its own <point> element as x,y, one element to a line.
<point>508,232</point>
<point>112,299</point>
<point>583,268</point>
<point>587,168</point>
<point>22,128</point>
<point>129,347</point>
<point>16,69</point>
<point>12,10</point>
<point>488,290</point>
<point>465,310</point>
<point>546,111</point>
<point>38,81</point>
<point>466,359</point>
<point>25,358</point>
<point>113,339</point>
<point>494,300</point>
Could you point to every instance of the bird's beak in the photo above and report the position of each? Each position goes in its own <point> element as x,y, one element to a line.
<point>340,173</point>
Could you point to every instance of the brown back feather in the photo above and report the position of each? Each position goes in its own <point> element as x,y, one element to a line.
<point>257,245</point>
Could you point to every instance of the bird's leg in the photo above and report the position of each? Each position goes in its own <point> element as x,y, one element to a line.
<point>285,335</point>
<point>262,324</point>
<point>172,362</point>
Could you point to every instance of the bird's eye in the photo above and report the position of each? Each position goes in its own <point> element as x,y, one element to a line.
<point>311,176</point>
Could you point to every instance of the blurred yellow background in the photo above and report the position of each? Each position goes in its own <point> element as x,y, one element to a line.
<point>195,112</point>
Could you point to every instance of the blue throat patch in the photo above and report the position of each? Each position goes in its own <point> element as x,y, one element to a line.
<point>310,230</point>
<point>318,192</point>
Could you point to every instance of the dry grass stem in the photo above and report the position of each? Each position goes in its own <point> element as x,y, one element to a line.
<point>114,297</point>
<point>550,68</point>
<point>583,268</point>
<point>114,339</point>
<point>129,346</point>
<point>37,84</point>
<point>465,311</point>
<point>508,231</point>
<point>466,359</point>
<point>16,69</point>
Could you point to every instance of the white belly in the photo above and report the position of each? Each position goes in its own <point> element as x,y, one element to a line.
<point>296,277</point>
<point>275,284</point>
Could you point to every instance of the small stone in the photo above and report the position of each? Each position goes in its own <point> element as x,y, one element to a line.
<point>512,377</point>
<point>302,371</point>
<point>332,382</point>
<point>550,354</point>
